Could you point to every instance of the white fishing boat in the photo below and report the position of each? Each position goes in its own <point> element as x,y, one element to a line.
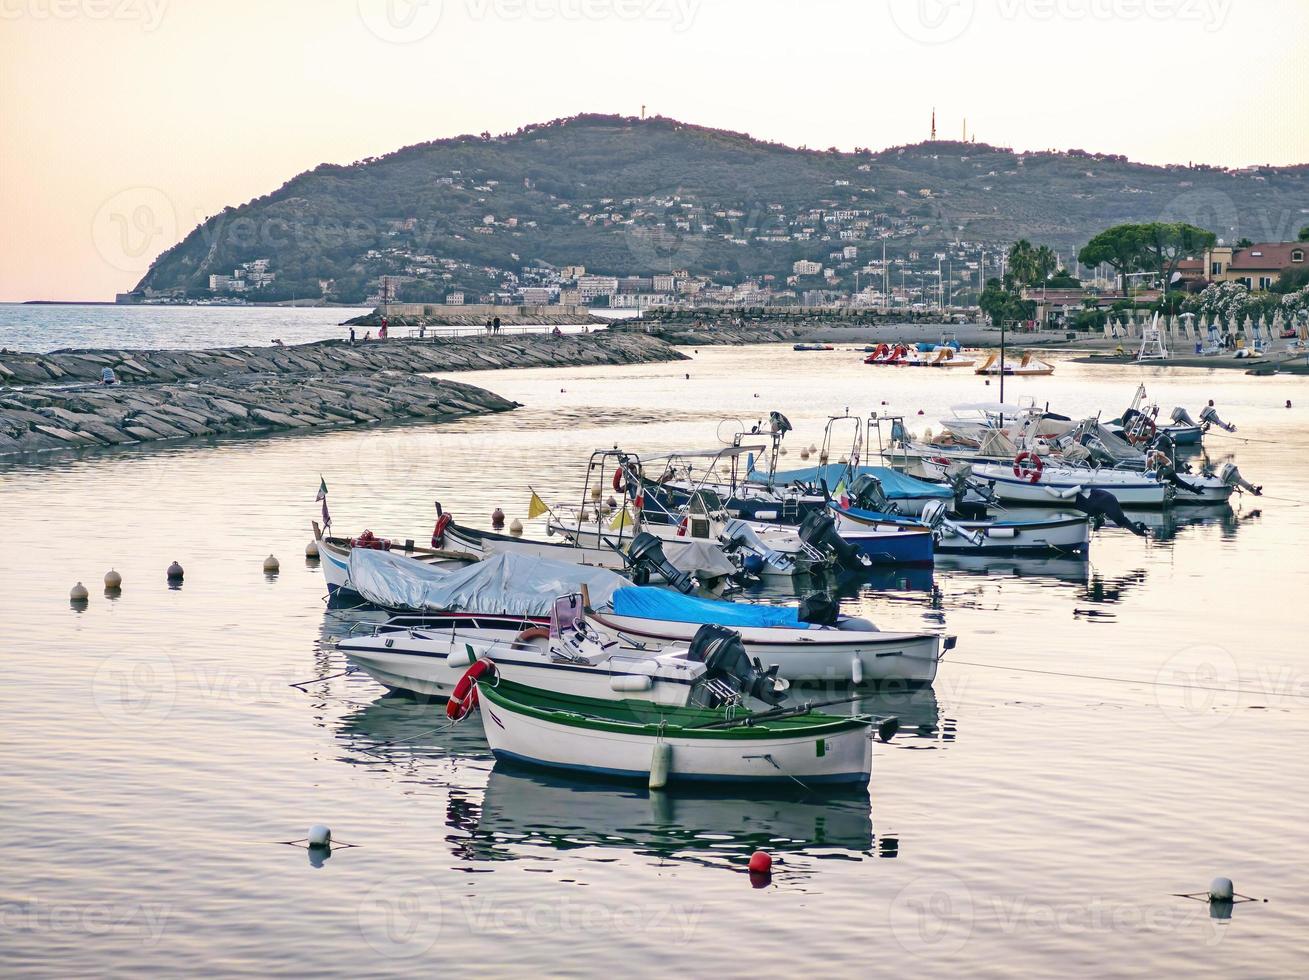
<point>334,556</point>
<point>569,656</point>
<point>1057,532</point>
<point>667,746</point>
<point>807,642</point>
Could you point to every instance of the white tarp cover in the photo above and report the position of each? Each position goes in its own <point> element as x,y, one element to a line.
<point>703,559</point>
<point>512,584</point>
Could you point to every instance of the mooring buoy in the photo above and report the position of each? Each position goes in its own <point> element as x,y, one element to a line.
<point>113,581</point>
<point>175,573</point>
<point>1221,890</point>
<point>78,593</point>
<point>271,565</point>
<point>311,549</point>
<point>319,836</point>
<point>516,527</point>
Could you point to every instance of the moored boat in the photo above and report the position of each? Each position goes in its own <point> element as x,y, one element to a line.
<point>663,745</point>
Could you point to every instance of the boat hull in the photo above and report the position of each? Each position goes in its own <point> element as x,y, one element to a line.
<point>816,654</point>
<point>1131,489</point>
<point>1063,534</point>
<point>843,756</point>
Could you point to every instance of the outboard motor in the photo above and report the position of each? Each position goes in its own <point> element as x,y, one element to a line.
<point>645,557</point>
<point>730,671</point>
<point>1101,504</point>
<point>935,516</point>
<point>819,531</point>
<point>820,609</point>
<point>1230,475</point>
<point>1182,417</point>
<point>866,493</point>
<point>1210,417</point>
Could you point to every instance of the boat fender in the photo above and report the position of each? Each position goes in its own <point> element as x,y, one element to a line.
<point>459,659</point>
<point>464,697</point>
<point>1028,466</point>
<point>438,532</point>
<point>630,683</point>
<point>661,763</point>
<point>856,670</point>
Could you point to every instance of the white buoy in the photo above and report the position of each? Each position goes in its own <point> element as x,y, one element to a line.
<point>113,580</point>
<point>271,565</point>
<point>516,527</point>
<point>812,448</point>
<point>79,593</point>
<point>856,670</point>
<point>661,762</point>
<point>319,836</point>
<point>782,451</point>
<point>1221,890</point>
<point>311,549</point>
<point>175,573</point>
<point>596,491</point>
<point>804,453</point>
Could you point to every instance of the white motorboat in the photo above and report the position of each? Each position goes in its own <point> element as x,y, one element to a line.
<point>834,649</point>
<point>569,656</point>
<point>1058,532</point>
<point>1031,481</point>
<point>334,556</point>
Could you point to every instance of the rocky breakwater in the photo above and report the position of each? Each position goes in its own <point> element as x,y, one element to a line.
<point>55,401</point>
<point>707,333</point>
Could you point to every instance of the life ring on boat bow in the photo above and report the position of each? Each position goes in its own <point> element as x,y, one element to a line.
<point>1144,434</point>
<point>1028,466</point>
<point>617,481</point>
<point>524,638</point>
<point>464,697</point>
<point>438,532</point>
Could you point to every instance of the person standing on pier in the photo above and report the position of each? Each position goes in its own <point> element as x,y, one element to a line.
<point>495,325</point>
<point>352,336</point>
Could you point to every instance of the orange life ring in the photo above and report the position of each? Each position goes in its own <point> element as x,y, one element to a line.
<point>617,481</point>
<point>1028,466</point>
<point>530,634</point>
<point>464,697</point>
<point>1140,436</point>
<point>438,532</point>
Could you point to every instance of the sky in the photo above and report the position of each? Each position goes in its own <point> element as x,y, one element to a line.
<point>124,123</point>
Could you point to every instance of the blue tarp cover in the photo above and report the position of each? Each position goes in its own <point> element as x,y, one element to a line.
<point>896,485</point>
<point>648,603</point>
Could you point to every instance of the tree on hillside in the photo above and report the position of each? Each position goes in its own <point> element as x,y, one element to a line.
<point>1022,262</point>
<point>1117,247</point>
<point>1155,246</point>
<point>1304,234</point>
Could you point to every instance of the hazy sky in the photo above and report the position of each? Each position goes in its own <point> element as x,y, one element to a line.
<point>125,122</point>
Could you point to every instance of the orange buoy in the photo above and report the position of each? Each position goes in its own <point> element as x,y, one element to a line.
<point>761,863</point>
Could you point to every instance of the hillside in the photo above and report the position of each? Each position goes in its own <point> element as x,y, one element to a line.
<point>623,196</point>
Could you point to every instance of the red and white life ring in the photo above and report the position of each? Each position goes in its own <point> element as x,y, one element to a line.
<point>438,532</point>
<point>1028,466</point>
<point>464,698</point>
<point>1144,434</point>
<point>617,481</point>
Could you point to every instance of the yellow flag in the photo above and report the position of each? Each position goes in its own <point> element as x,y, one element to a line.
<point>620,520</point>
<point>536,507</point>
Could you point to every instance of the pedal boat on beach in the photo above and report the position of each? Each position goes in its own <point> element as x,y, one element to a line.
<point>643,742</point>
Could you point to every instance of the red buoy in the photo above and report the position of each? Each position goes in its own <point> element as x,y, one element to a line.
<point>761,862</point>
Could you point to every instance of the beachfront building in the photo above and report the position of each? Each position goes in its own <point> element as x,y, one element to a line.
<point>1257,266</point>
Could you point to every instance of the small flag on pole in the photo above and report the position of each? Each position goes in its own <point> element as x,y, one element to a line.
<point>536,507</point>
<point>322,495</point>
<point>840,494</point>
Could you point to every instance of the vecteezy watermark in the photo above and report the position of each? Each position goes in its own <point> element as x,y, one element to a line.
<point>1202,686</point>
<point>72,920</point>
<point>135,691</point>
<point>148,13</point>
<point>409,21</point>
<point>403,916</point>
<point>932,21</point>
<point>1211,14</point>
<point>401,21</point>
<point>932,914</point>
<point>940,21</point>
<point>131,228</point>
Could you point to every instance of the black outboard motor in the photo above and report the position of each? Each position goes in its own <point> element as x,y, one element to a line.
<point>645,557</point>
<point>729,670</point>
<point>1101,504</point>
<point>819,531</point>
<point>820,609</point>
<point>1210,417</point>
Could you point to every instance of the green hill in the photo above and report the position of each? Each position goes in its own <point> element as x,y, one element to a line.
<point>624,196</point>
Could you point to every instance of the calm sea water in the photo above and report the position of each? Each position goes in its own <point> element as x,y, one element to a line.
<point>1107,733</point>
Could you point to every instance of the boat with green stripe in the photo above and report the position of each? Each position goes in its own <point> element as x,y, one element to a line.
<point>665,744</point>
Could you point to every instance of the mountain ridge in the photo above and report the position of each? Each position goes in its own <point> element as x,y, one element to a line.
<point>622,195</point>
